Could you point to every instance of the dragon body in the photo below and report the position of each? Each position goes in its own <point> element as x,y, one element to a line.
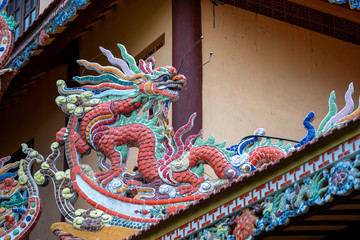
<point>126,106</point>
<point>250,154</point>
<point>98,130</point>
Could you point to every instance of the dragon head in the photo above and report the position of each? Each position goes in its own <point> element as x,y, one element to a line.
<point>126,79</point>
<point>164,82</point>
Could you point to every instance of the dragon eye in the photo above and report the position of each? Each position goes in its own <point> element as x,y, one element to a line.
<point>165,78</point>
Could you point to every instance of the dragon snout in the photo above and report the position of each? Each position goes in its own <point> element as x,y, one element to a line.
<point>181,79</point>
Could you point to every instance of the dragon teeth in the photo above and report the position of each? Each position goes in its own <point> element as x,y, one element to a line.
<point>172,92</point>
<point>175,85</point>
<point>170,85</point>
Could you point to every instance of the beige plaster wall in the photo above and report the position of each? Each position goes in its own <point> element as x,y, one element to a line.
<point>34,114</point>
<point>270,74</point>
<point>43,5</point>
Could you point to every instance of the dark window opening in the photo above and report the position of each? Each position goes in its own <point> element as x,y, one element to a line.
<point>24,13</point>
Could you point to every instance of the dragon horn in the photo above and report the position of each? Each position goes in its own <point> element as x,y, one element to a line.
<point>129,59</point>
<point>117,61</point>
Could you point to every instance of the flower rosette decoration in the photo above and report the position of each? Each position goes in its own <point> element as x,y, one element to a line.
<point>20,205</point>
<point>8,184</point>
<point>245,225</point>
<point>342,178</point>
<point>7,26</point>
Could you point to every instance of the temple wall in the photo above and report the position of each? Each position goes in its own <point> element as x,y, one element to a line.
<point>267,73</point>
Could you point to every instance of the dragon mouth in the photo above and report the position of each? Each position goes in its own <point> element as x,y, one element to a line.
<point>176,88</point>
<point>171,88</point>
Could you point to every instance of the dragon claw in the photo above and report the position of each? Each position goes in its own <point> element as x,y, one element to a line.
<point>187,190</point>
<point>104,178</point>
<point>190,189</point>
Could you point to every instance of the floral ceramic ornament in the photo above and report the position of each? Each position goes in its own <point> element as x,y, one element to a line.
<point>342,178</point>
<point>7,25</point>
<point>20,206</point>
<point>245,226</point>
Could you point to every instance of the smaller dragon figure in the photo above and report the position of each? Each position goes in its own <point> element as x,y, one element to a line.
<point>250,154</point>
<point>221,231</point>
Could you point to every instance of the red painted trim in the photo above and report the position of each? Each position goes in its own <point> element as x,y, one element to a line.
<point>186,25</point>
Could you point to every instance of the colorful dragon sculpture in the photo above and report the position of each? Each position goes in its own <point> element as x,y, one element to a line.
<point>122,93</point>
<point>108,114</point>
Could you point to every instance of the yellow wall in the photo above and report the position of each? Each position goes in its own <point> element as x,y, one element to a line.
<point>34,114</point>
<point>270,74</point>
